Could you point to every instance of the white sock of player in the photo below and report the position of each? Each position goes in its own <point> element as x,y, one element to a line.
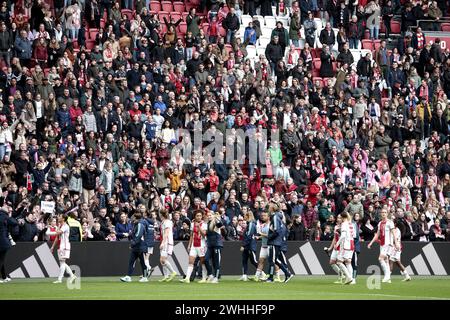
<point>385,268</point>
<point>68,270</point>
<point>350,269</point>
<point>169,267</point>
<point>62,270</point>
<point>344,270</point>
<point>147,264</point>
<point>204,272</point>
<point>258,273</point>
<point>335,268</point>
<point>189,271</point>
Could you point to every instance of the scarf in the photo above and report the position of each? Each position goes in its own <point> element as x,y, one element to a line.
<point>420,41</point>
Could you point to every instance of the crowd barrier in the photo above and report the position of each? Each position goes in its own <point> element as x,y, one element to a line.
<point>34,260</point>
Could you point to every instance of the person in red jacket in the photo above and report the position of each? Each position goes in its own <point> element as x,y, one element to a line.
<point>315,189</point>
<point>75,111</point>
<point>40,53</point>
<point>255,184</point>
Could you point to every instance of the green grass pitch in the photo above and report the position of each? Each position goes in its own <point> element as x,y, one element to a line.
<point>299,288</point>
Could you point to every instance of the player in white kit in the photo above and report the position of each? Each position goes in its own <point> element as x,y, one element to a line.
<point>62,239</point>
<point>262,228</point>
<point>334,252</point>
<point>166,246</point>
<point>197,246</point>
<point>345,247</point>
<point>385,236</point>
<point>395,255</point>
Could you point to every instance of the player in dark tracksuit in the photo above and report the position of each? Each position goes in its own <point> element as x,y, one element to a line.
<point>138,247</point>
<point>357,247</point>
<point>275,240</point>
<point>214,241</point>
<point>248,245</point>
<point>149,239</point>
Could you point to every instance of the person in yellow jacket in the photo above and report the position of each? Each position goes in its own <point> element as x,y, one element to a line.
<point>424,113</point>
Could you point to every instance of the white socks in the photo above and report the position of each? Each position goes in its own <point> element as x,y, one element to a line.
<point>385,268</point>
<point>350,269</point>
<point>147,264</point>
<point>258,274</point>
<point>169,267</point>
<point>64,268</point>
<point>335,268</point>
<point>189,271</point>
<point>204,272</point>
<point>344,270</point>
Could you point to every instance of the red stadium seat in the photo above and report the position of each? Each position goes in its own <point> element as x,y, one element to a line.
<point>325,81</point>
<point>175,16</point>
<point>189,6</point>
<point>317,63</point>
<point>184,15</point>
<point>155,6</point>
<point>162,15</point>
<point>366,34</point>
<point>182,27</point>
<point>178,7</point>
<point>195,2</point>
<point>445,27</point>
<point>102,23</point>
<point>334,63</point>
<point>93,33</point>
<point>167,6</point>
<point>90,44</point>
<point>367,44</point>
<point>128,12</point>
<point>163,27</point>
<point>395,27</point>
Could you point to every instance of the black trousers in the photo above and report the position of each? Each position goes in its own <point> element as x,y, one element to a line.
<point>355,264</point>
<point>213,256</point>
<point>2,263</point>
<point>134,255</point>
<point>276,258</point>
<point>248,254</point>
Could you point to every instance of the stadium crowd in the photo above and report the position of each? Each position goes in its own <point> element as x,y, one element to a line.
<point>95,93</point>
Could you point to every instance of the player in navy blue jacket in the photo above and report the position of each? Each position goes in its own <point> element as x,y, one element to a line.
<point>138,247</point>
<point>5,243</point>
<point>149,239</point>
<point>249,245</point>
<point>214,241</point>
<point>276,234</point>
<point>355,222</point>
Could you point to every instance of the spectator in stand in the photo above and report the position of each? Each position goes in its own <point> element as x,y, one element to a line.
<point>231,24</point>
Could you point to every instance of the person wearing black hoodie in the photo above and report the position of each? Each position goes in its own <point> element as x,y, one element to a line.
<point>298,229</point>
<point>274,52</point>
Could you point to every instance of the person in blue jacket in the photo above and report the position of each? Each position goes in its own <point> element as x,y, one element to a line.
<point>214,240</point>
<point>138,247</point>
<point>275,240</point>
<point>248,248</point>
<point>6,221</point>
<point>149,239</point>
<point>250,34</point>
